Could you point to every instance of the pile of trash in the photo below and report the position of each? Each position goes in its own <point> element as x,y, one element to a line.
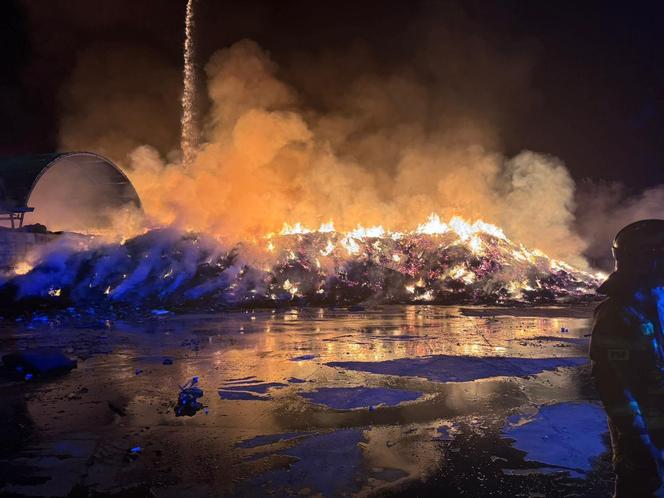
<point>168,269</point>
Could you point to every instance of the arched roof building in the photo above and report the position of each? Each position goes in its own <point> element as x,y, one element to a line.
<point>80,186</point>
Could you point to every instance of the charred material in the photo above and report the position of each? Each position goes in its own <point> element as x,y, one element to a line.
<point>188,404</point>
<point>166,269</point>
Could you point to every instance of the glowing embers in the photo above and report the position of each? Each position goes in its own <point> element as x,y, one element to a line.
<point>463,229</point>
<point>22,268</point>
<point>295,229</point>
<point>362,242</point>
<point>454,261</point>
<point>466,263</point>
<point>433,226</point>
<point>460,272</point>
<point>350,244</point>
<point>327,227</point>
<point>290,287</point>
<point>298,228</point>
<point>360,232</point>
<point>467,233</point>
<point>328,249</point>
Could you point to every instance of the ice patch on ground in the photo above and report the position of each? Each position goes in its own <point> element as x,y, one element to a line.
<point>241,396</point>
<point>346,398</point>
<point>243,380</point>
<point>563,435</point>
<point>444,434</point>
<point>445,368</point>
<point>248,389</point>
<point>258,388</point>
<point>304,357</point>
<point>257,441</point>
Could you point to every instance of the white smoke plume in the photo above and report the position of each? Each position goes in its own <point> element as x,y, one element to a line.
<point>605,208</point>
<point>386,150</point>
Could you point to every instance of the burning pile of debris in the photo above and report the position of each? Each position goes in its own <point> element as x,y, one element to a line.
<point>453,262</point>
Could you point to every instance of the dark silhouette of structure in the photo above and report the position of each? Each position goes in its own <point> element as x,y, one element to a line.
<point>71,185</point>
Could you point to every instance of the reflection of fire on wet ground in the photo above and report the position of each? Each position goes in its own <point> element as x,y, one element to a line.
<point>406,400</point>
<point>438,262</point>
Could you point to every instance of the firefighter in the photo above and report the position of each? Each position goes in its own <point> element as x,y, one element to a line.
<point>628,358</point>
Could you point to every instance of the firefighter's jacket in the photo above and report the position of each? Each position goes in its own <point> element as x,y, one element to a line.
<point>628,359</point>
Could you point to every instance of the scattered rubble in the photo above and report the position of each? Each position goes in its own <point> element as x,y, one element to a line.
<point>164,271</point>
<point>188,404</point>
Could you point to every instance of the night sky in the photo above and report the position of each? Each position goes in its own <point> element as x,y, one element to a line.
<point>594,94</point>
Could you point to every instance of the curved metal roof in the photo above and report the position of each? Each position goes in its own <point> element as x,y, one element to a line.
<point>19,176</point>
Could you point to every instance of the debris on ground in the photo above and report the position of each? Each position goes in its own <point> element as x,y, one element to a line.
<point>313,268</point>
<point>188,404</point>
<point>117,409</point>
<point>134,453</point>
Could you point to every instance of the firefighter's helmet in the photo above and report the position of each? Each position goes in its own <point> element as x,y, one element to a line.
<point>639,248</point>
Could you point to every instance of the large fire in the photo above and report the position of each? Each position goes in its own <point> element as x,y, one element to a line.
<point>265,158</point>
<point>454,261</point>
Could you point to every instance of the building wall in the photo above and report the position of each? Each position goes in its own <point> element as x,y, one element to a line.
<point>15,245</point>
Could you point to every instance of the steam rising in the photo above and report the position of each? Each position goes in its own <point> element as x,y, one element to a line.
<point>605,208</point>
<point>376,157</point>
<point>268,158</point>
<point>339,137</point>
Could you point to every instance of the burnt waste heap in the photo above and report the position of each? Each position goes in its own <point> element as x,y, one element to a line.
<point>168,269</point>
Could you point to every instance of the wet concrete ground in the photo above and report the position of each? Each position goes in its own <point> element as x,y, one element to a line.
<point>396,401</point>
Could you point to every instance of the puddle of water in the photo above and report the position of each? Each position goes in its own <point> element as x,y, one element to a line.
<point>349,402</point>
<point>346,398</point>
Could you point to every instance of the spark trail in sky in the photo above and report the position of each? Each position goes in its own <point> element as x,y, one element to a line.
<point>188,141</point>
